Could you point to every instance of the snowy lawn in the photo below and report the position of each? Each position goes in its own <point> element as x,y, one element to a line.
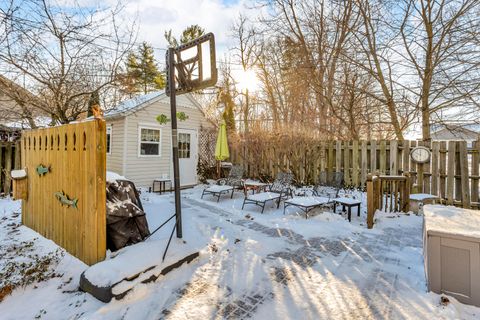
<point>251,265</point>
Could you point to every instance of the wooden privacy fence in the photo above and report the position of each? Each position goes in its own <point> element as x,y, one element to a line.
<point>452,172</point>
<point>388,194</point>
<point>67,201</point>
<point>9,159</point>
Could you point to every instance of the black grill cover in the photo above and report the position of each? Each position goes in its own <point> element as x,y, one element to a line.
<point>126,221</point>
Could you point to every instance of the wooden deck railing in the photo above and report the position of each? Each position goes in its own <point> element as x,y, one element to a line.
<point>387,193</point>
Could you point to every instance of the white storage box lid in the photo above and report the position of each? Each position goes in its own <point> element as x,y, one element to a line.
<point>449,220</point>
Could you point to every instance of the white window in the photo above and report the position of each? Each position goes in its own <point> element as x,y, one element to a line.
<point>149,141</point>
<point>109,139</point>
<point>184,145</point>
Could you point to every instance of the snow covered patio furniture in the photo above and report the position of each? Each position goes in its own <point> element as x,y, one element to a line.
<point>261,199</point>
<point>217,191</point>
<point>349,203</point>
<point>162,183</point>
<point>306,204</point>
<point>329,184</point>
<point>255,186</point>
<point>226,185</point>
<point>419,199</point>
<point>327,188</point>
<point>279,190</point>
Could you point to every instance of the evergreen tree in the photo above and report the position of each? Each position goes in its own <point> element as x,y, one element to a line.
<point>142,71</point>
<point>190,33</point>
<point>228,115</point>
<point>172,41</point>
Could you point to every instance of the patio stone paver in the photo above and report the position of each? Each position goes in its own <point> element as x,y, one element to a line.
<point>364,282</point>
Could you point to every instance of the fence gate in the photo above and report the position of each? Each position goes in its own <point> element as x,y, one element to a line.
<point>66,199</point>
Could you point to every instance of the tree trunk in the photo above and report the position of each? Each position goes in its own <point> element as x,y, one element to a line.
<point>245,111</point>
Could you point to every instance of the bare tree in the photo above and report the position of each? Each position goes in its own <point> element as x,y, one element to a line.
<point>439,41</point>
<point>245,54</point>
<point>309,46</point>
<point>65,55</point>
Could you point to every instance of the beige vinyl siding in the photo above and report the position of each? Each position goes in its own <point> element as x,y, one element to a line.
<point>114,159</point>
<point>143,169</point>
<point>456,134</point>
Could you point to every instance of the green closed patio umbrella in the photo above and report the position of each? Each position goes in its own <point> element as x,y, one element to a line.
<point>221,149</point>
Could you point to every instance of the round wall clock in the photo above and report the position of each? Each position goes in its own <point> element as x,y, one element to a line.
<point>420,154</point>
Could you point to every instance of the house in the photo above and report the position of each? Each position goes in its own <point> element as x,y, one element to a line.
<point>456,131</point>
<point>17,105</point>
<point>140,148</point>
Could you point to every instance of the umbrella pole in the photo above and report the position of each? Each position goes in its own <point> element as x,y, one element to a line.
<point>218,169</point>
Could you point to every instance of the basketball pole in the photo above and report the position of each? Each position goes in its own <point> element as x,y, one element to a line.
<point>173,116</point>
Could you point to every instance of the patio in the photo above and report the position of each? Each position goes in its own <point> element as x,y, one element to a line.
<point>259,266</point>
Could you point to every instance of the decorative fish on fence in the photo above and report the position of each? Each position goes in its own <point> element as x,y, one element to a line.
<point>63,198</point>
<point>42,170</point>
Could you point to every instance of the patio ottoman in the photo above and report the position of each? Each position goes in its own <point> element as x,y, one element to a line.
<point>306,203</point>
<point>217,190</point>
<point>260,199</point>
<point>452,252</point>
<point>349,203</point>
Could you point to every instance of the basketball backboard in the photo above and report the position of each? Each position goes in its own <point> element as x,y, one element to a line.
<point>195,65</point>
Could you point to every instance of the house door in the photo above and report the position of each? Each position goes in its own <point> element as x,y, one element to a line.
<point>188,156</point>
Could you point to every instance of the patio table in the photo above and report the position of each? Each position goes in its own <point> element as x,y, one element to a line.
<point>254,186</point>
<point>306,203</point>
<point>162,182</point>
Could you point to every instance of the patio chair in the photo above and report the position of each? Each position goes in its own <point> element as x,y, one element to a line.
<point>329,184</point>
<point>279,190</point>
<point>226,185</point>
<point>324,193</point>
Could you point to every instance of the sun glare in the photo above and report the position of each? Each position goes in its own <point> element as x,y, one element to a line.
<point>247,80</point>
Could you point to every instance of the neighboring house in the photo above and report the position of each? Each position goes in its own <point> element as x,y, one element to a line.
<point>139,148</point>
<point>16,104</point>
<point>9,134</point>
<point>456,131</point>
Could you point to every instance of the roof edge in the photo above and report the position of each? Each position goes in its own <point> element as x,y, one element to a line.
<point>139,107</point>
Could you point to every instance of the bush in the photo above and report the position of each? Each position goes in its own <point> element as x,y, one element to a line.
<point>205,170</point>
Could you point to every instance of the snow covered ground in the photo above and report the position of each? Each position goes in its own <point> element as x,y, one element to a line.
<point>251,265</point>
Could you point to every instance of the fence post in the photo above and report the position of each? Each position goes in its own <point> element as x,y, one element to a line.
<point>8,168</point>
<point>364,163</point>
<point>406,193</point>
<point>475,163</point>
<point>355,160</point>
<point>1,168</point>
<point>371,203</point>
<point>450,172</point>
<point>464,181</point>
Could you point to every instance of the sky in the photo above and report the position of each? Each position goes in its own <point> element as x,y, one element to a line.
<point>154,17</point>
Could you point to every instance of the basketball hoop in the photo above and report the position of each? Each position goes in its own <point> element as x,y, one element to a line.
<point>194,65</point>
<point>190,67</point>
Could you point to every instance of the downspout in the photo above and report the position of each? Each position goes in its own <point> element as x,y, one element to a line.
<point>124,157</point>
